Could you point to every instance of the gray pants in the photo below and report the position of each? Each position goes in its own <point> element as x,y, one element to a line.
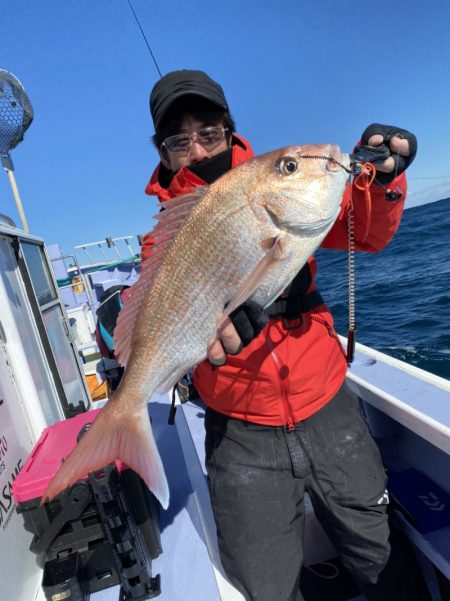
<point>258,476</point>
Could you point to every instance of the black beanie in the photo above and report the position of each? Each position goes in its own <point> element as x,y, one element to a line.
<point>176,84</point>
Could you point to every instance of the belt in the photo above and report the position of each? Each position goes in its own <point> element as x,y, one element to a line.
<point>291,306</point>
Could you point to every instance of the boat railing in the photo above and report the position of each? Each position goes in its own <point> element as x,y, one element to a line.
<point>108,256</point>
<point>106,246</point>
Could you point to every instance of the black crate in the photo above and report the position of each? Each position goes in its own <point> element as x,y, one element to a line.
<point>99,533</point>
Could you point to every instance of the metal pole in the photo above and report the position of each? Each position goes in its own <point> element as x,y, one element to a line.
<point>15,191</point>
<point>129,247</point>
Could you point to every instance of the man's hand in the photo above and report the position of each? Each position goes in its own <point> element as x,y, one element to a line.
<point>400,147</point>
<point>238,330</point>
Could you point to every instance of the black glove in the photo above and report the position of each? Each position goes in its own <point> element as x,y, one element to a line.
<point>384,151</point>
<point>248,319</point>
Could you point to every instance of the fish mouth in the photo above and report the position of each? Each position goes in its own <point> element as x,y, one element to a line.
<point>304,227</point>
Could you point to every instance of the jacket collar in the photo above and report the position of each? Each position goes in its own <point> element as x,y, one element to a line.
<point>185,181</point>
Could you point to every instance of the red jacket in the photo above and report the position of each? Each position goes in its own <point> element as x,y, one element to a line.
<point>285,375</point>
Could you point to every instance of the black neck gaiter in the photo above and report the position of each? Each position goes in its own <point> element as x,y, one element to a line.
<point>208,170</point>
<point>213,168</point>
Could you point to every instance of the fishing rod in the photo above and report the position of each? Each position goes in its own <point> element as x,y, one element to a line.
<point>145,38</point>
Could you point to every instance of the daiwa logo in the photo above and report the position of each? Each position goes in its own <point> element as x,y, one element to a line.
<point>432,502</point>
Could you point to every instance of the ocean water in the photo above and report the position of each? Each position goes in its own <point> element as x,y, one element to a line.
<point>402,293</point>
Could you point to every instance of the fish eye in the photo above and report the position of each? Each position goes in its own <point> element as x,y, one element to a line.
<point>287,166</point>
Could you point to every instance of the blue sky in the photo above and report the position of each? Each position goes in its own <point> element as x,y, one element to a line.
<point>294,72</point>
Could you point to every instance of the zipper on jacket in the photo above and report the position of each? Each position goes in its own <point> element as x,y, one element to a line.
<point>324,323</point>
<point>331,332</point>
<point>290,425</point>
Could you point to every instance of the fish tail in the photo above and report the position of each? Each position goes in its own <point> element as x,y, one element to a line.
<point>114,435</point>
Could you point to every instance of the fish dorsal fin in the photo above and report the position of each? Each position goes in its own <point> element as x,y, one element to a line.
<point>171,217</point>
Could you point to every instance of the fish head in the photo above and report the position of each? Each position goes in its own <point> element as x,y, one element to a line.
<point>300,187</point>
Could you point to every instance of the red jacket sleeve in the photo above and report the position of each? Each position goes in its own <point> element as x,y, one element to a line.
<point>375,226</point>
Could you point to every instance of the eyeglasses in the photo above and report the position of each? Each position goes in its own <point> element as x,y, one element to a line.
<point>208,137</point>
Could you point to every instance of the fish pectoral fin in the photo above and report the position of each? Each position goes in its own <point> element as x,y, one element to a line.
<point>113,436</point>
<point>277,252</point>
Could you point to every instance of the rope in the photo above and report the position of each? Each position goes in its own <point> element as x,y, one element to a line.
<point>363,181</point>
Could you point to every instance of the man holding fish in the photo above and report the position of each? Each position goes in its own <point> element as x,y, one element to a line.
<point>279,419</point>
<point>227,286</point>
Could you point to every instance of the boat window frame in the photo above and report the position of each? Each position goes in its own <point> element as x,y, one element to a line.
<point>17,243</point>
